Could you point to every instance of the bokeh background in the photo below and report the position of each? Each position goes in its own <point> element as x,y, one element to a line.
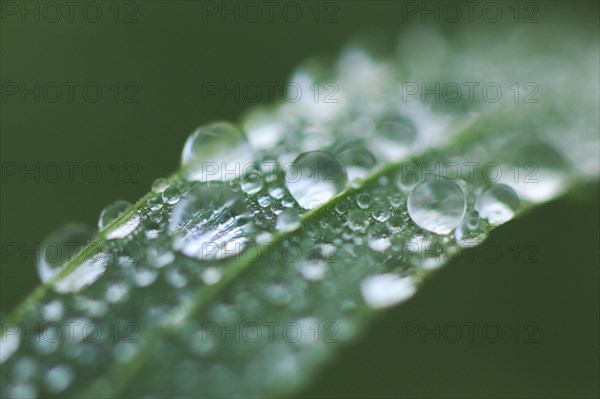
<point>150,59</point>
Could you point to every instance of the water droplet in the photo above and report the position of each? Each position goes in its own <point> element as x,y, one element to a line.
<point>364,200</point>
<point>117,292</point>
<point>159,185</point>
<point>265,201</point>
<point>61,247</point>
<point>341,207</point>
<point>84,274</point>
<point>278,294</point>
<point>9,343</point>
<point>211,276</point>
<point>498,204</point>
<point>314,178</point>
<point>251,183</point>
<point>288,220</point>
<point>380,244</point>
<point>124,229</point>
<point>171,196</point>
<point>112,212</point>
<point>276,192</point>
<point>155,203</point>
<point>217,151</point>
<point>393,137</point>
<point>176,278</point>
<point>212,222</point>
<point>534,169</point>
<point>59,378</point>
<point>357,159</point>
<point>381,213</point>
<point>144,277</point>
<point>53,310</point>
<point>471,231</point>
<point>437,205</point>
<point>357,219</point>
<point>313,271</point>
<point>385,290</point>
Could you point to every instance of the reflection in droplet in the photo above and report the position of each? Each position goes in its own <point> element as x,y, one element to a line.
<point>498,204</point>
<point>314,178</point>
<point>112,212</point>
<point>288,220</point>
<point>385,290</point>
<point>471,231</point>
<point>437,205</point>
<point>59,378</point>
<point>393,137</point>
<point>60,247</point>
<point>84,274</point>
<point>217,151</point>
<point>171,195</point>
<point>212,222</point>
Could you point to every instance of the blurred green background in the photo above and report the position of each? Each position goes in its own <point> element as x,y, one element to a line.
<point>158,54</point>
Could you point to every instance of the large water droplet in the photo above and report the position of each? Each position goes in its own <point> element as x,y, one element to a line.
<point>314,178</point>
<point>357,159</point>
<point>112,212</point>
<point>212,222</point>
<point>498,204</point>
<point>217,151</point>
<point>84,274</point>
<point>437,205</point>
<point>384,290</point>
<point>60,247</point>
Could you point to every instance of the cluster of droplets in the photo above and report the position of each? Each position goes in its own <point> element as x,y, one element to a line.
<point>248,194</point>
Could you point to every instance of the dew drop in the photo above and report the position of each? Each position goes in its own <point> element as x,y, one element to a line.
<point>276,192</point>
<point>251,183</point>
<point>357,159</point>
<point>313,271</point>
<point>84,274</point>
<point>381,213</point>
<point>341,207</point>
<point>211,276</point>
<point>112,212</point>
<point>171,196</point>
<point>59,378</point>
<point>437,205</point>
<point>498,204</point>
<point>155,203</point>
<point>385,290</point>
<point>53,311</point>
<point>217,151</point>
<point>393,137</point>
<point>60,247</point>
<point>364,200</point>
<point>288,220</point>
<point>159,185</point>
<point>125,229</point>
<point>379,244</point>
<point>212,222</point>
<point>472,231</point>
<point>314,178</point>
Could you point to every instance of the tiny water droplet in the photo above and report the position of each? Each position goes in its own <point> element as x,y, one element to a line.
<point>276,192</point>
<point>498,204</point>
<point>341,207</point>
<point>171,195</point>
<point>472,231</point>
<point>217,151</point>
<point>251,183</point>
<point>265,201</point>
<point>364,200</point>
<point>288,220</point>
<point>385,290</point>
<point>53,311</point>
<point>381,213</point>
<point>314,178</point>
<point>112,212</point>
<point>437,205</point>
<point>60,247</point>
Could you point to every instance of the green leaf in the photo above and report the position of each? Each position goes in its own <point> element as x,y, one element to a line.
<point>235,289</point>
